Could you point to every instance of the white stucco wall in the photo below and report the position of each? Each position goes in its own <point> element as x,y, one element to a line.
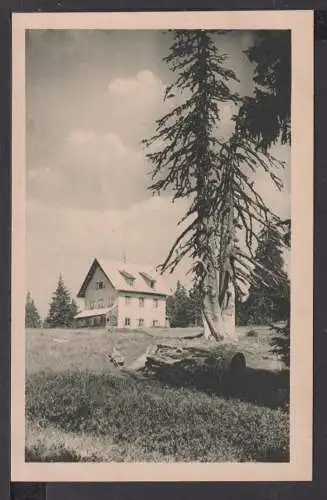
<point>134,311</point>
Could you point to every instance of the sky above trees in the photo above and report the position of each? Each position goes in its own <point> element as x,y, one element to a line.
<point>92,96</point>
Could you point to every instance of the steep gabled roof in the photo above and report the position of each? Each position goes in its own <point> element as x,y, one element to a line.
<point>127,277</point>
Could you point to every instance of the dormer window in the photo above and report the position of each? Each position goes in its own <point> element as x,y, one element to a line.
<point>128,278</point>
<point>149,280</point>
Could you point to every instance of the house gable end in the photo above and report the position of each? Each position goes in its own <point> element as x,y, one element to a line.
<point>94,266</point>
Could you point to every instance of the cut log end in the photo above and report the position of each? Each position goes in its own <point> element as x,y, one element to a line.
<point>237,365</point>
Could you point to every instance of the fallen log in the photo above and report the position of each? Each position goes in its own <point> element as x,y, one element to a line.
<point>207,367</point>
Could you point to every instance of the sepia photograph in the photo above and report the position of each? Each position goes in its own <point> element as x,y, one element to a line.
<point>162,272</point>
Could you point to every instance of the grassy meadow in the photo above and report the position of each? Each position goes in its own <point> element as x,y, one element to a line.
<point>79,407</point>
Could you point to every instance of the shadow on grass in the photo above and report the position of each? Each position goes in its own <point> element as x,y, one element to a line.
<point>256,386</point>
<point>260,387</point>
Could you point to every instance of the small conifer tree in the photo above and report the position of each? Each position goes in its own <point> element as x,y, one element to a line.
<point>62,308</point>
<point>32,317</point>
<point>268,299</point>
<point>179,307</point>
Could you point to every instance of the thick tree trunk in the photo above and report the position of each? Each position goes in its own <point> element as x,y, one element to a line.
<point>218,305</point>
<point>218,320</point>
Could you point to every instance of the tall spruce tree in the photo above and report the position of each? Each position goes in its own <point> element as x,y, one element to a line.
<point>62,308</point>
<point>32,317</point>
<point>213,173</point>
<point>268,299</point>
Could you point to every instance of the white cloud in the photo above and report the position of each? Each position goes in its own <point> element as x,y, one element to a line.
<point>87,139</point>
<point>92,171</point>
<point>79,137</point>
<point>102,167</point>
<point>137,91</point>
<point>134,104</point>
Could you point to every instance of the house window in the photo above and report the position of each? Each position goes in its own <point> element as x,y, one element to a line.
<point>155,323</point>
<point>127,300</point>
<point>155,303</point>
<point>92,305</point>
<point>100,285</point>
<point>141,301</point>
<point>141,322</point>
<point>127,321</point>
<point>100,303</point>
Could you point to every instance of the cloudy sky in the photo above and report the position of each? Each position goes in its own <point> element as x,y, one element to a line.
<point>91,97</point>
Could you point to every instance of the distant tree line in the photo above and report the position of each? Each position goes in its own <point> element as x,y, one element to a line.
<point>62,309</point>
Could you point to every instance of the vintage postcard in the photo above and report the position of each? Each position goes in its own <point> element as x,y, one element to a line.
<point>162,248</point>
